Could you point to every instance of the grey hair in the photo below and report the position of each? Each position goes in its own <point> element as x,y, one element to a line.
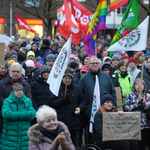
<point>15,86</point>
<point>45,111</point>
<point>138,80</point>
<point>15,64</point>
<point>93,57</point>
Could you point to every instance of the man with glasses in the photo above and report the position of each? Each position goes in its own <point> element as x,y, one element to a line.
<point>87,84</point>
<point>5,86</point>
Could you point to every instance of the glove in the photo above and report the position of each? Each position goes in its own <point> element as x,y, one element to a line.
<point>56,141</point>
<point>63,142</point>
<point>66,99</point>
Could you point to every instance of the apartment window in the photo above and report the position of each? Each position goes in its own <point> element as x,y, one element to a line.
<point>31,3</point>
<point>122,9</point>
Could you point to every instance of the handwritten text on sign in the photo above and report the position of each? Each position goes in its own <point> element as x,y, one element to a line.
<point>121,127</point>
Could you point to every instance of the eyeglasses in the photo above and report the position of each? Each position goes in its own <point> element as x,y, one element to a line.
<point>95,63</point>
<point>13,71</point>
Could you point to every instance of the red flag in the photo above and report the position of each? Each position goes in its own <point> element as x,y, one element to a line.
<point>22,24</point>
<point>115,4</point>
<point>82,16</point>
<point>68,25</point>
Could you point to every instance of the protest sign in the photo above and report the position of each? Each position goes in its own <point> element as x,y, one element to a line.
<point>121,127</point>
<point>4,39</point>
<point>2,47</point>
<point>119,98</point>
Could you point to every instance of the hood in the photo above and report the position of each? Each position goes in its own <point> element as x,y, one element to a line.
<point>36,136</point>
<point>16,35</point>
<point>104,64</point>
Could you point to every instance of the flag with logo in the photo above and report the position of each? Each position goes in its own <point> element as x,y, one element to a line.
<point>68,25</point>
<point>22,24</point>
<point>59,67</point>
<point>98,23</point>
<point>129,22</point>
<point>95,104</point>
<point>82,16</point>
<point>133,41</point>
<point>115,4</point>
<point>59,12</point>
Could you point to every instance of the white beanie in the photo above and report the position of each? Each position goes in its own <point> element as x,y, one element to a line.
<point>30,63</point>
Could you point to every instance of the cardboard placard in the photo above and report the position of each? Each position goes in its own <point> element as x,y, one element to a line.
<point>119,98</point>
<point>121,127</point>
<point>4,39</point>
<point>2,47</point>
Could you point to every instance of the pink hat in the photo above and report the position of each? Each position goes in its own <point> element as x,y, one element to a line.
<point>84,68</point>
<point>73,57</point>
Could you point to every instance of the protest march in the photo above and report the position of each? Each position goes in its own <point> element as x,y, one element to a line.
<point>82,89</point>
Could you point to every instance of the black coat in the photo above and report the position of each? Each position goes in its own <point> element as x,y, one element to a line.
<point>35,76</point>
<point>65,112</point>
<point>98,126</point>
<point>40,93</point>
<point>5,90</point>
<point>146,78</point>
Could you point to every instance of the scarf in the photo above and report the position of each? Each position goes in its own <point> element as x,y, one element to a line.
<point>52,134</point>
<point>18,80</point>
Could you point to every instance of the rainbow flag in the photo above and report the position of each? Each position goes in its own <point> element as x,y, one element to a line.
<point>98,23</point>
<point>115,4</point>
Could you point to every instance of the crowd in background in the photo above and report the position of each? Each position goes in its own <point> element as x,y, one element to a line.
<point>29,62</point>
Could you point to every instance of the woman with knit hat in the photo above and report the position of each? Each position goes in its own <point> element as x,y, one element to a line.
<point>107,106</point>
<point>132,68</point>
<point>123,78</point>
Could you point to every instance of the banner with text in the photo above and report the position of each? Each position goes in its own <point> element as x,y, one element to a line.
<point>121,127</point>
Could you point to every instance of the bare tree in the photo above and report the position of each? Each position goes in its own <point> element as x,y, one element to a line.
<point>147,9</point>
<point>42,9</point>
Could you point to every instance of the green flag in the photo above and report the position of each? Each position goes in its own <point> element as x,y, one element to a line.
<point>130,20</point>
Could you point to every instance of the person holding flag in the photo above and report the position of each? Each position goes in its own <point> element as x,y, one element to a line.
<point>69,107</point>
<point>105,84</point>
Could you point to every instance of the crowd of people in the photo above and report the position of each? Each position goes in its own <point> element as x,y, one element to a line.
<point>32,117</point>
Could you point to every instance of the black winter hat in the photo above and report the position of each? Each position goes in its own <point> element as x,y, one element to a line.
<point>70,73</point>
<point>12,52</point>
<point>73,65</point>
<point>46,42</point>
<point>106,65</point>
<point>44,68</point>
<point>106,97</point>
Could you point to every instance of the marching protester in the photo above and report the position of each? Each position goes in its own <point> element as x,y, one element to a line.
<point>146,74</point>
<point>132,68</point>
<point>17,112</point>
<point>87,83</point>
<point>4,71</point>
<point>123,78</point>
<point>49,133</point>
<point>69,107</point>
<point>107,106</point>
<point>139,100</point>
<point>40,88</point>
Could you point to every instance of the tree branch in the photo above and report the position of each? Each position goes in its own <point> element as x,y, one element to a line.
<point>143,6</point>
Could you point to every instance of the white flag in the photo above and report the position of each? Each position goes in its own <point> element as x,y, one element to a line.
<point>96,103</point>
<point>134,41</point>
<point>59,67</point>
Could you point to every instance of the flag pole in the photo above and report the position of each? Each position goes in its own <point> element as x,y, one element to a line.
<point>141,76</point>
<point>66,80</point>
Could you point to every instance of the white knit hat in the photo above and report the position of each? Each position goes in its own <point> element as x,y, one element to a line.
<point>30,63</point>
